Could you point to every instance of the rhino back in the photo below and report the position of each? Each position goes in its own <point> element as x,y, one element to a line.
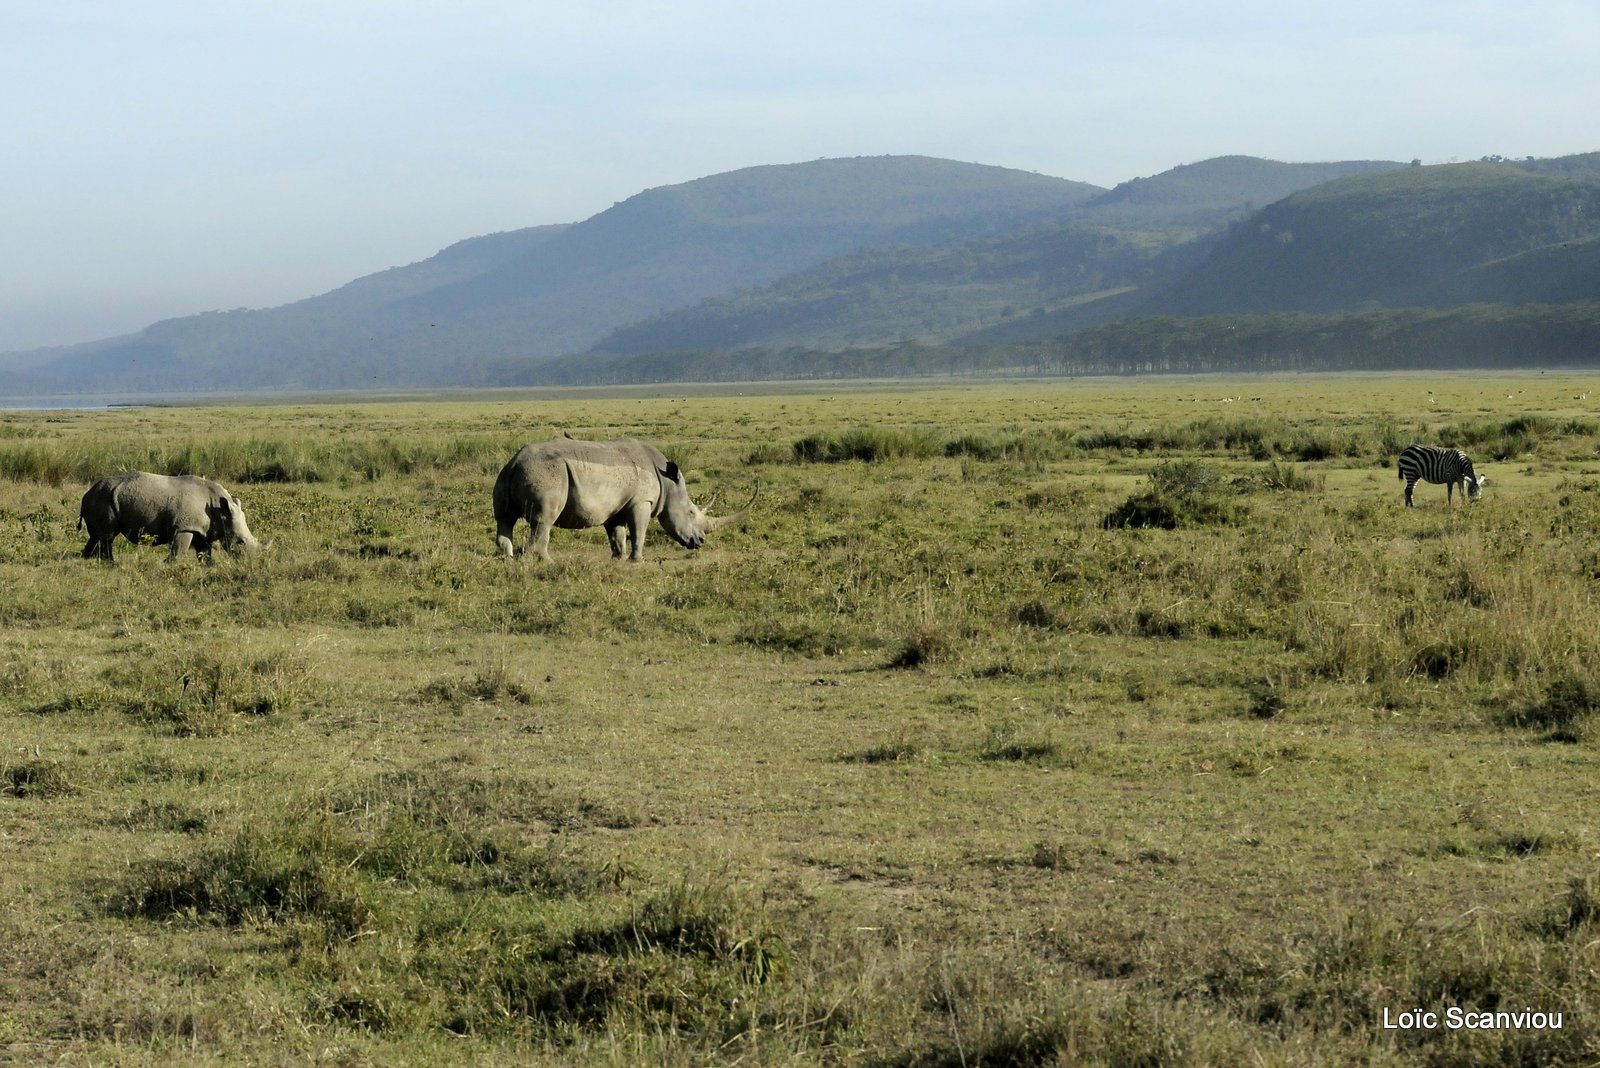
<point>592,480</point>
<point>101,494</point>
<point>161,505</point>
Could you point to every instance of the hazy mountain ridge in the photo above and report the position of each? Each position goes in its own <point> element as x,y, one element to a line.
<point>672,246</point>
<point>1050,272</point>
<point>535,294</point>
<point>874,252</point>
<point>1223,185</point>
<point>1395,239</point>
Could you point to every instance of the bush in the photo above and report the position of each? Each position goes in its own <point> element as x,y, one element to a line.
<point>1285,477</point>
<point>1570,701</point>
<point>36,778</point>
<point>298,871</point>
<point>868,444</point>
<point>1004,742</point>
<point>1183,493</point>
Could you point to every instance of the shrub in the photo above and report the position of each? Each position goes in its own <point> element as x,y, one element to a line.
<point>1183,493</point>
<point>883,753</point>
<point>868,444</point>
<point>1578,910</point>
<point>36,778</point>
<point>928,644</point>
<point>1286,477</point>
<point>1004,742</point>
<point>271,874</point>
<point>1570,701</point>
<point>204,691</point>
<point>769,452</point>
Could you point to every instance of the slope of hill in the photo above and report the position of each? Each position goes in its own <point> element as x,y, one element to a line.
<point>1551,274</point>
<point>535,294</point>
<point>1200,193</point>
<point>884,295</point>
<point>864,256</point>
<point>1396,239</point>
<point>1043,278</point>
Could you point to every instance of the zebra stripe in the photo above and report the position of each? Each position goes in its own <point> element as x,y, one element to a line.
<point>1431,463</point>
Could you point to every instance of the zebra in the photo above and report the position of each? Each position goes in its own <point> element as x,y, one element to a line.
<point>1434,464</point>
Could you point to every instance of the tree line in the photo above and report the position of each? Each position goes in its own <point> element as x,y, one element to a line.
<point>1481,336</point>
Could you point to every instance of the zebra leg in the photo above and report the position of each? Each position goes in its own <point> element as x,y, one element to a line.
<point>1411,484</point>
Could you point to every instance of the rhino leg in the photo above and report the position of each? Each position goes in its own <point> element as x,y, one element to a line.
<point>616,533</point>
<point>539,540</point>
<point>502,538</point>
<point>638,522</point>
<point>185,539</point>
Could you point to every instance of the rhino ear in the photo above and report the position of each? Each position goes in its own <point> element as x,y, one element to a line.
<point>671,472</point>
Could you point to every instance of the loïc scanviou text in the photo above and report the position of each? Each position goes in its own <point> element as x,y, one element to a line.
<point>1456,1018</point>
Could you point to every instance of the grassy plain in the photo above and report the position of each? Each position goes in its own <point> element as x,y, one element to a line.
<point>925,765</point>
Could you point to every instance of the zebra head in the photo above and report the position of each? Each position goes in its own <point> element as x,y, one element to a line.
<point>1475,486</point>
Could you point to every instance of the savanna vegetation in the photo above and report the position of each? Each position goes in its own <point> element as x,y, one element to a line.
<point>1481,336</point>
<point>899,266</point>
<point>1115,722</point>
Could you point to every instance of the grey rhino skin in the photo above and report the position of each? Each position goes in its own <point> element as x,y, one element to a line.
<point>184,510</point>
<point>620,485</point>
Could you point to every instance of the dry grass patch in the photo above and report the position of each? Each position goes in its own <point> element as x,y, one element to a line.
<point>1215,793</point>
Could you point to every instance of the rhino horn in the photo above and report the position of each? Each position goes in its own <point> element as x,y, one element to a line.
<point>712,522</point>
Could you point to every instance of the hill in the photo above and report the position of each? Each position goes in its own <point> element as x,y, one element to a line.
<point>1048,276</point>
<point>534,294</point>
<point>1420,236</point>
<point>894,264</point>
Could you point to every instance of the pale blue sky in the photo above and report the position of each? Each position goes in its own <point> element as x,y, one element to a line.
<point>168,157</point>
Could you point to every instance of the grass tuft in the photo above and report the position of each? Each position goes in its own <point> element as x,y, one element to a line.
<point>36,779</point>
<point>262,875</point>
<point>867,444</point>
<point>492,684</point>
<point>1182,493</point>
<point>1287,478</point>
<point>892,752</point>
<point>1566,710</point>
<point>1264,700</point>
<point>1576,914</point>
<point>1005,742</point>
<point>930,643</point>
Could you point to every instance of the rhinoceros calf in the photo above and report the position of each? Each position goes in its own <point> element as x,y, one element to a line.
<point>620,485</point>
<point>183,510</point>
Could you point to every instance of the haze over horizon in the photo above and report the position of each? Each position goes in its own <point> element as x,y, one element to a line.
<point>179,158</point>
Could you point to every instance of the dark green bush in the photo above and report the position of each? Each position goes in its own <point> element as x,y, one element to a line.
<point>868,444</point>
<point>1182,493</point>
<point>1569,703</point>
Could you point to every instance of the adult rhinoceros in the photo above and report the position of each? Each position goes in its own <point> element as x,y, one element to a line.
<point>620,485</point>
<point>185,510</point>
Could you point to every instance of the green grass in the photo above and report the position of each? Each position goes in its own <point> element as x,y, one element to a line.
<point>924,764</point>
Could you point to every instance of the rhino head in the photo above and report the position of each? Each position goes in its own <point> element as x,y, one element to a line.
<point>683,520</point>
<point>226,522</point>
